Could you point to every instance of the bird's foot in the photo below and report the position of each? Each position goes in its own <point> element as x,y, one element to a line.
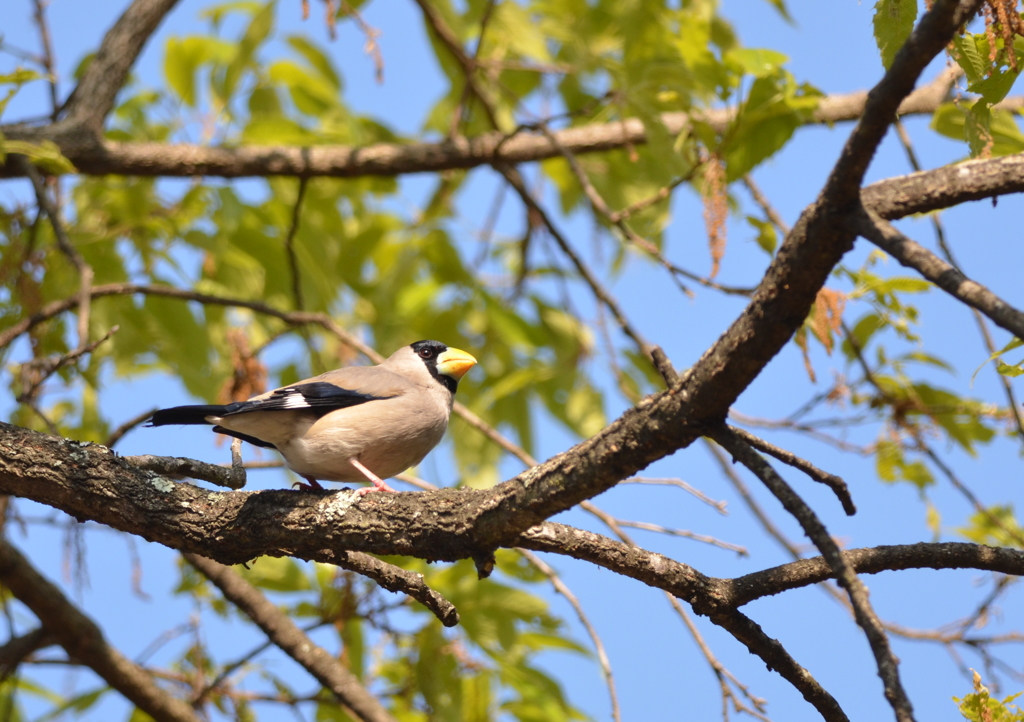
<point>310,484</point>
<point>377,486</point>
<point>378,483</point>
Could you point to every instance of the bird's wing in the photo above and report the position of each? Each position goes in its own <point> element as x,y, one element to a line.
<point>316,397</point>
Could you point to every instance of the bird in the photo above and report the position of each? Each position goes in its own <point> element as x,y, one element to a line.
<point>353,424</point>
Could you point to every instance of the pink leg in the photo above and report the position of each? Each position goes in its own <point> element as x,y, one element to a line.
<point>378,483</point>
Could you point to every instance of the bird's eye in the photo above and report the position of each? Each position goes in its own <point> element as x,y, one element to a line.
<point>426,352</point>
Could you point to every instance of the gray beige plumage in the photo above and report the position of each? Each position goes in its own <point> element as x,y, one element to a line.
<point>359,423</point>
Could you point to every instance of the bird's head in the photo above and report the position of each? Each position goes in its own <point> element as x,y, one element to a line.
<point>447,365</point>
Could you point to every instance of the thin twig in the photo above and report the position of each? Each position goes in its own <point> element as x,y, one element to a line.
<point>646,526</point>
<point>602,655</point>
<point>718,505</point>
<point>726,679</point>
<point>833,482</point>
<point>597,289</point>
<point>289,245</point>
<point>940,237</point>
<point>85,272</point>
<point>280,629</point>
<point>117,434</point>
<point>46,368</point>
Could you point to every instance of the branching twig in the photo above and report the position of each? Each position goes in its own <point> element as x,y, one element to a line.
<point>602,656</point>
<point>177,467</point>
<point>283,632</point>
<point>118,433</point>
<point>84,641</point>
<point>833,482</point>
<point>85,272</point>
<point>884,235</point>
<point>940,236</point>
<point>845,575</point>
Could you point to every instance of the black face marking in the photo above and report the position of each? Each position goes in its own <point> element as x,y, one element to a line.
<point>428,351</point>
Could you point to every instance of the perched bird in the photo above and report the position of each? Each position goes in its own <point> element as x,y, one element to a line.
<point>360,423</point>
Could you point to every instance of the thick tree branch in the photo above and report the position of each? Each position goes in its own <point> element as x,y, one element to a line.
<point>93,98</point>
<point>884,235</point>
<point>945,187</point>
<point>389,159</point>
<point>84,641</point>
<point>283,632</point>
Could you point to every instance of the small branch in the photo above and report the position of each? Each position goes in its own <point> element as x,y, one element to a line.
<point>833,482</point>
<point>451,41</point>
<point>664,366</point>
<point>47,59</point>
<point>280,629</point>
<point>600,293</point>
<point>15,650</point>
<point>884,235</point>
<point>118,433</point>
<point>845,575</point>
<point>289,245</point>
<point>46,368</point>
<point>940,236</point>
<point>84,641</point>
<point>602,655</point>
<point>396,579</point>
<point>775,656</point>
<point>804,572</point>
<point>177,467</point>
<point>85,272</point>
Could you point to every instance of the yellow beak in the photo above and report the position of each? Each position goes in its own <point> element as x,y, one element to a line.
<point>455,363</point>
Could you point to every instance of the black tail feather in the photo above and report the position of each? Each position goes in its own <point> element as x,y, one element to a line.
<point>187,414</point>
<point>245,437</point>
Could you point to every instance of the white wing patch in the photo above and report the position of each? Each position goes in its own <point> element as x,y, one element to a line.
<point>293,399</point>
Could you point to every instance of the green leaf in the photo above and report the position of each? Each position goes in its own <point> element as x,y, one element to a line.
<point>184,56</point>
<point>767,237</point>
<point>255,34</point>
<point>994,526</point>
<point>780,6</point>
<point>44,154</point>
<point>893,23</point>
<point>965,51</point>
<point>1008,370</point>
<point>758,62</point>
<point>317,59</point>
<point>952,121</point>
<point>995,87</point>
